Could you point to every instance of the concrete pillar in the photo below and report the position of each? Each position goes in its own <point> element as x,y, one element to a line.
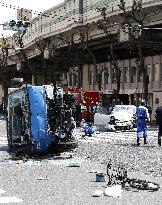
<point>160,72</point>
<point>33,80</point>
<point>1,93</point>
<point>85,81</point>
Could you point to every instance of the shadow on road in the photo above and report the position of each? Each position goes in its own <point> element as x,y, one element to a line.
<point>134,145</point>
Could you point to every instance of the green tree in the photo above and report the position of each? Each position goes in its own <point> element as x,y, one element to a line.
<point>21,52</point>
<point>4,46</point>
<point>134,20</point>
<point>105,25</point>
<point>73,52</point>
<point>42,45</point>
<point>85,33</point>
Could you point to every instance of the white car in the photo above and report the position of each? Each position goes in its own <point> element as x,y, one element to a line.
<point>101,117</point>
<point>122,117</point>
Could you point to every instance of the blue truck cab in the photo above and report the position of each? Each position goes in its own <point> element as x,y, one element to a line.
<point>36,118</point>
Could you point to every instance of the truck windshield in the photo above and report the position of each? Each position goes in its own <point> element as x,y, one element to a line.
<point>102,110</point>
<point>15,108</point>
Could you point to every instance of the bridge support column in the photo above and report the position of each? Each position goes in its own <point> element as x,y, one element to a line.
<point>33,80</point>
<point>85,80</point>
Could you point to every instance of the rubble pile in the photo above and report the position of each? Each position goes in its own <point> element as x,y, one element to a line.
<point>147,160</point>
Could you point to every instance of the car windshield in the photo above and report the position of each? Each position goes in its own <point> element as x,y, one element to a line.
<point>124,108</point>
<point>111,110</point>
<point>102,110</point>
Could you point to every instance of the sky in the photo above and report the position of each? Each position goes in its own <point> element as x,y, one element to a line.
<point>7,11</point>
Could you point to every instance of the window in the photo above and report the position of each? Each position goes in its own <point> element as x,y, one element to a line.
<point>140,76</point>
<point>149,71</point>
<point>91,77</point>
<point>133,74</point>
<point>65,76</point>
<point>114,76</point>
<point>156,72</point>
<point>106,76</point>
<point>96,76</point>
<point>126,74</point>
<point>70,79</point>
<point>160,72</point>
<point>74,79</point>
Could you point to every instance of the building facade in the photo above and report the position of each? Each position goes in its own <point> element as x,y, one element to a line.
<point>60,20</point>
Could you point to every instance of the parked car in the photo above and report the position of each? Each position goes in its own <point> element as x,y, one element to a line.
<point>122,117</point>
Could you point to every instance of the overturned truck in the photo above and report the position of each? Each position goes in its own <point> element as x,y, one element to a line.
<point>39,119</point>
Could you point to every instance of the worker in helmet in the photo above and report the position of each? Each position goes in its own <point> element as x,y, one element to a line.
<point>158,116</point>
<point>142,120</point>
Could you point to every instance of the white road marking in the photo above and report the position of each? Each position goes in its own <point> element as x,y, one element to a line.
<point>114,136</point>
<point>5,200</point>
<point>13,199</point>
<point>2,191</point>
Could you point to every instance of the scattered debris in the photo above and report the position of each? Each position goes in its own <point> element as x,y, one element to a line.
<point>98,193</point>
<point>19,162</point>
<point>32,162</point>
<point>100,177</point>
<point>75,163</point>
<point>42,178</point>
<point>114,191</point>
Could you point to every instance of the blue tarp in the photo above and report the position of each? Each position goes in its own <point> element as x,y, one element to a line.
<point>39,121</point>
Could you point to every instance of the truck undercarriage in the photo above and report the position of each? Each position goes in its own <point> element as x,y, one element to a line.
<point>39,119</point>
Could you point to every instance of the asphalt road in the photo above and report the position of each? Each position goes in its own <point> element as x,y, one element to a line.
<point>50,181</point>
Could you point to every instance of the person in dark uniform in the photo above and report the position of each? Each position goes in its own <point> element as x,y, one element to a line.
<point>158,116</point>
<point>78,115</point>
<point>142,121</point>
<point>92,111</point>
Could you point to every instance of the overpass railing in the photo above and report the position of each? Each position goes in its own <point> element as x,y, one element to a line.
<point>71,14</point>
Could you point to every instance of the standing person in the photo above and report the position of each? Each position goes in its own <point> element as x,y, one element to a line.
<point>83,109</point>
<point>158,116</point>
<point>92,111</point>
<point>142,120</point>
<point>150,112</point>
<point>110,109</point>
<point>92,107</point>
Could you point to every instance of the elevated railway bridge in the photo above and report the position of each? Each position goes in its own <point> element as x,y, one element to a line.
<point>62,42</point>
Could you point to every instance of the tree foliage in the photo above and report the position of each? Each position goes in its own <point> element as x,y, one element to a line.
<point>134,20</point>
<point>4,46</point>
<point>105,24</point>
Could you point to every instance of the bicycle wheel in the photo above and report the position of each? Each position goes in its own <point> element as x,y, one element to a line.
<point>143,185</point>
